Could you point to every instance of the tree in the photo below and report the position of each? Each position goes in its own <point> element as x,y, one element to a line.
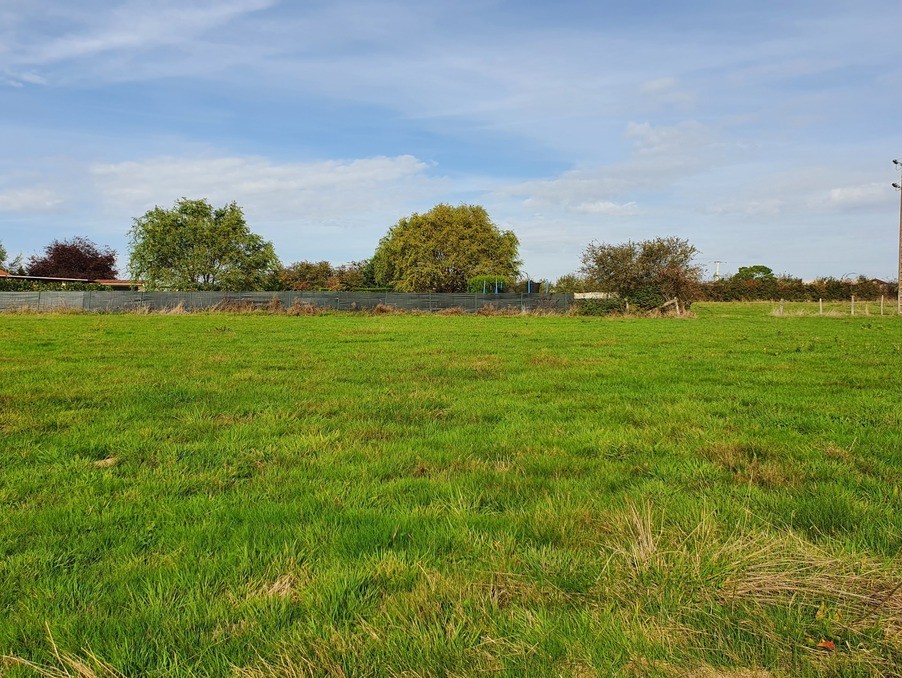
<point>573,282</point>
<point>321,275</point>
<point>757,272</point>
<point>76,258</point>
<point>195,247</point>
<point>306,275</point>
<point>440,250</point>
<point>2,255</point>
<point>647,273</point>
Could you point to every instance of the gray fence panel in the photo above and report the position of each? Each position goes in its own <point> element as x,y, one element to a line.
<point>51,301</point>
<point>348,301</point>
<point>113,301</point>
<point>18,300</point>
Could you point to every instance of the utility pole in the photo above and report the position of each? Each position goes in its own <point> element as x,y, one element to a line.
<point>717,270</point>
<point>898,187</point>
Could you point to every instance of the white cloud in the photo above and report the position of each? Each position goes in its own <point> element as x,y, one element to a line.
<point>339,208</point>
<point>329,189</point>
<point>768,207</point>
<point>659,85</point>
<point>673,140</point>
<point>863,195</point>
<point>607,207</point>
<point>29,200</point>
<point>139,24</point>
<point>661,155</point>
<point>666,92</point>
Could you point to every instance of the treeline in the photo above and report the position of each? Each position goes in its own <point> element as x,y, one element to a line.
<point>194,246</point>
<point>793,289</point>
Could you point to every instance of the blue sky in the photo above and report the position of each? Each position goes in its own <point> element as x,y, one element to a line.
<point>762,132</point>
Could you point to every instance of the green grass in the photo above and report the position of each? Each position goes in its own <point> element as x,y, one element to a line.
<point>373,495</point>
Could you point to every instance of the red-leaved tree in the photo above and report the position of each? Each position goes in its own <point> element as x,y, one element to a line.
<point>76,258</point>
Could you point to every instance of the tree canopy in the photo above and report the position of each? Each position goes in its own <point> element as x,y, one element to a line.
<point>438,251</point>
<point>322,275</point>
<point>2,255</point>
<point>648,272</point>
<point>196,247</point>
<point>75,258</point>
<point>757,272</point>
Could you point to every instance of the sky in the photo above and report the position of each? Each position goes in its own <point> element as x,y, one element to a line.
<point>762,132</point>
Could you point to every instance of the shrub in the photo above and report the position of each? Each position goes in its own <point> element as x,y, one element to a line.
<point>646,298</point>
<point>598,306</point>
<point>16,285</point>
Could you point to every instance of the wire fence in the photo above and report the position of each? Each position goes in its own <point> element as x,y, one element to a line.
<point>855,306</point>
<point>125,301</point>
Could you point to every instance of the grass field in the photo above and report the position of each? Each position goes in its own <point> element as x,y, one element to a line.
<point>344,494</point>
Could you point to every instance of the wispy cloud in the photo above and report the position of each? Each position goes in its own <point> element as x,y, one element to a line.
<point>31,199</point>
<point>139,24</point>
<point>289,190</point>
<point>869,195</point>
<point>352,203</point>
<point>659,156</point>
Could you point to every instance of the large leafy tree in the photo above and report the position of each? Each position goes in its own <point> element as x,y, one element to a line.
<point>647,272</point>
<point>75,258</point>
<point>196,247</point>
<point>440,250</point>
<point>757,272</point>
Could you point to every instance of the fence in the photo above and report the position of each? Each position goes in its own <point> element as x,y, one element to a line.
<point>123,301</point>
<point>854,306</point>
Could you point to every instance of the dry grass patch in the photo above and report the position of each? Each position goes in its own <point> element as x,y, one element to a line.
<point>66,665</point>
<point>751,466</point>
<point>303,308</point>
<point>646,667</point>
<point>753,586</point>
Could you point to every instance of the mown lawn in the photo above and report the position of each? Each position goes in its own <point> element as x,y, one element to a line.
<point>451,495</point>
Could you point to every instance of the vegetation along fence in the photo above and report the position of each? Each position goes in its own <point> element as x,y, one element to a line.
<point>343,301</point>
